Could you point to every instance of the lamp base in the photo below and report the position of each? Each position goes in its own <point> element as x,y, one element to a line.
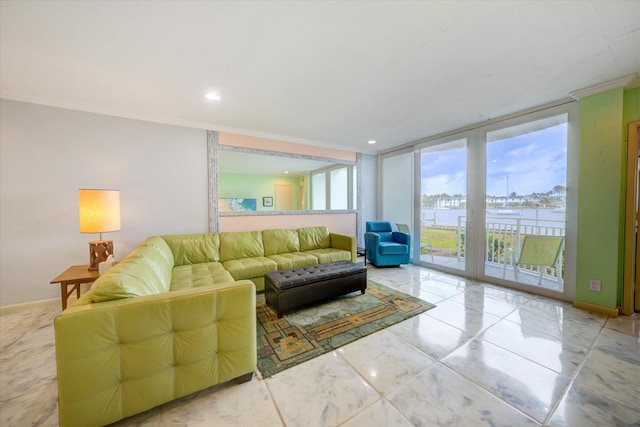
<point>99,250</point>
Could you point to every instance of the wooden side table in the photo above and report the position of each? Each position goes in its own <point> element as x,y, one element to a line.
<point>74,276</point>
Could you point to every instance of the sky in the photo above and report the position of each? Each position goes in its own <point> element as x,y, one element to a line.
<point>534,162</point>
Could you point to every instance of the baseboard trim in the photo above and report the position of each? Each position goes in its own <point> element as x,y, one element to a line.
<point>6,309</point>
<point>611,312</point>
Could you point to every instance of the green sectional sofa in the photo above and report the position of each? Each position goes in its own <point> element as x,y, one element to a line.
<point>176,316</point>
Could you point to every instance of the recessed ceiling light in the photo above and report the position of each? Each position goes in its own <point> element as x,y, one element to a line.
<point>212,96</point>
<point>371,141</point>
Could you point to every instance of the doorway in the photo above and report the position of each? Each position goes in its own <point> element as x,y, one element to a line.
<point>284,197</point>
<point>443,204</point>
<point>631,286</point>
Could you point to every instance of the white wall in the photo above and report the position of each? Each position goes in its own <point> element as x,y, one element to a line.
<point>397,189</point>
<point>369,192</point>
<point>47,154</point>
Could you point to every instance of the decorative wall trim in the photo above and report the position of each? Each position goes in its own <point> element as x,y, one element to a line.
<point>359,202</point>
<point>604,86</point>
<point>283,154</point>
<point>268,213</point>
<point>212,171</point>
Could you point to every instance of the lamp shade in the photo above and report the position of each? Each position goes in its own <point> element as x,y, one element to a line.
<point>99,210</point>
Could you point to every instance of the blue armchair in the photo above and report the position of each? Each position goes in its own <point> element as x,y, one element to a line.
<point>384,246</point>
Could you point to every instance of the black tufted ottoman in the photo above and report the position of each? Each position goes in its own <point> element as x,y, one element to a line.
<point>288,289</point>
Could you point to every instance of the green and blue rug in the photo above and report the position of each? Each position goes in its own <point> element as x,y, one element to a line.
<point>315,330</point>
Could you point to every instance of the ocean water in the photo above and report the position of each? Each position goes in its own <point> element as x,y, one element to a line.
<point>528,217</point>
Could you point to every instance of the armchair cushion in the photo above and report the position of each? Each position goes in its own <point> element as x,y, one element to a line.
<point>403,238</point>
<point>392,248</point>
<point>386,236</point>
<point>379,226</point>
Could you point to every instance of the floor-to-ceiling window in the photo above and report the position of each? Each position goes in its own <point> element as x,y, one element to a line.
<point>443,202</point>
<point>481,192</point>
<point>525,201</point>
<point>397,189</point>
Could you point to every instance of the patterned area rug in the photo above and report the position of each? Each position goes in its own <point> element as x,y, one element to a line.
<point>310,332</point>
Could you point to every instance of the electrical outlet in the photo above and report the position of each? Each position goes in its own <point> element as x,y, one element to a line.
<point>595,285</point>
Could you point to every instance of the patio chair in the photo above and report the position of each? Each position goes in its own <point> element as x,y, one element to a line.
<point>404,228</point>
<point>542,251</point>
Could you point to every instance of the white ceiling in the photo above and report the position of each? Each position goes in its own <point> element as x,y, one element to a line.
<point>330,73</point>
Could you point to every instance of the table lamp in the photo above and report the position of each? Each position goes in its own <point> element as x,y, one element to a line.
<point>99,213</point>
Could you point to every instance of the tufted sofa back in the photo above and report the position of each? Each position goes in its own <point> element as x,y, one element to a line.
<point>123,357</point>
<point>240,244</point>
<point>314,238</point>
<point>280,241</point>
<point>145,271</point>
<point>194,248</point>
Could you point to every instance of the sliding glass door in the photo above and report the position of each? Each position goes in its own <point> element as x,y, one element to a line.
<point>492,202</point>
<point>443,203</point>
<point>525,203</point>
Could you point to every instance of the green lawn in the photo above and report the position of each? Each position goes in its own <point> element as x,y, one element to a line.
<point>445,242</point>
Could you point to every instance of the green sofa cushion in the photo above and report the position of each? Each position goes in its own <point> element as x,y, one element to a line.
<point>160,245</point>
<point>248,268</point>
<point>194,275</point>
<point>129,278</point>
<point>235,245</point>
<point>294,260</point>
<point>314,238</point>
<point>330,255</point>
<point>280,241</point>
<point>194,248</point>
<point>145,271</point>
<point>159,269</point>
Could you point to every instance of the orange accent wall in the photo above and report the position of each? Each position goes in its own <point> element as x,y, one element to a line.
<point>343,223</point>
<point>246,141</point>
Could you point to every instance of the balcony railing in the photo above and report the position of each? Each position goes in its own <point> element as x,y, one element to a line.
<point>499,236</point>
<point>502,233</point>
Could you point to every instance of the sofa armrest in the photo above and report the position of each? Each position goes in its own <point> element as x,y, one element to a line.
<point>119,358</point>
<point>345,242</point>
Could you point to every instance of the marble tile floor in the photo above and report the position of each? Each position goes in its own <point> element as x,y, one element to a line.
<point>485,355</point>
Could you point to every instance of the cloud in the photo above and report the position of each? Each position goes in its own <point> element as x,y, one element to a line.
<point>534,162</point>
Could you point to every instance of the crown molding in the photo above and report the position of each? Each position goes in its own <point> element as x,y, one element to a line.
<point>603,87</point>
